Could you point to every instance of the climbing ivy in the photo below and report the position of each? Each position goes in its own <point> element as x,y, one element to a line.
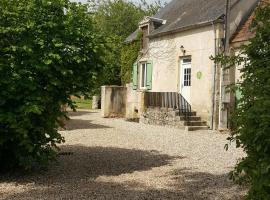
<point>129,56</point>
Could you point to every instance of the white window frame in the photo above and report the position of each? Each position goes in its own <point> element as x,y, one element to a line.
<point>143,80</point>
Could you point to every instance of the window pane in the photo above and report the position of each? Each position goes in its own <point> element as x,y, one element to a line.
<point>143,75</point>
<point>187,60</point>
<point>187,77</point>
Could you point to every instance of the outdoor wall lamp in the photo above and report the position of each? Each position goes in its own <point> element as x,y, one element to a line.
<point>183,49</point>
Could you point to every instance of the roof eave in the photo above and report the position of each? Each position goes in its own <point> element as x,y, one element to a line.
<point>181,29</point>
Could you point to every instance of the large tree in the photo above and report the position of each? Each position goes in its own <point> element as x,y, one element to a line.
<point>117,19</point>
<point>49,50</point>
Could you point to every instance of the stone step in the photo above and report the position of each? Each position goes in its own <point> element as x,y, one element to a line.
<point>195,123</point>
<point>192,114</point>
<point>192,118</point>
<point>177,112</point>
<point>196,128</point>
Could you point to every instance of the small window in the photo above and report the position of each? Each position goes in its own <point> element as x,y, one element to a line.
<point>143,75</point>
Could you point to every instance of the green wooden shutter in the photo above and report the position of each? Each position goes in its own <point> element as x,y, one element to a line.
<point>135,76</point>
<point>149,75</point>
<point>238,96</point>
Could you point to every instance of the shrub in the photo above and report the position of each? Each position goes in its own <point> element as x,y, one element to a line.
<point>252,116</point>
<point>49,50</point>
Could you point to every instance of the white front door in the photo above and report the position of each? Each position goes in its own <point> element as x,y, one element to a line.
<point>185,78</point>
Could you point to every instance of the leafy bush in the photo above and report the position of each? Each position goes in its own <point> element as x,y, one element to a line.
<point>49,50</point>
<point>252,116</point>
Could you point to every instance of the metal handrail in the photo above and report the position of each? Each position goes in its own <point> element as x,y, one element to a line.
<point>184,107</point>
<point>169,100</point>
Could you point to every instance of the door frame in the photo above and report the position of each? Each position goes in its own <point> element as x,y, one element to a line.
<point>181,75</point>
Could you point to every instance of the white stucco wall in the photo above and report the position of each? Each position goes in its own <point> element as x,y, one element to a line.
<point>165,53</point>
<point>236,51</point>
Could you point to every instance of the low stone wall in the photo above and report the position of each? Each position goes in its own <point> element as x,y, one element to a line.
<point>113,101</point>
<point>135,103</point>
<point>161,116</point>
<point>122,101</point>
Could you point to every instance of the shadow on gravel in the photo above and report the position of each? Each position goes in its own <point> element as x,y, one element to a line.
<point>93,162</point>
<point>75,175</point>
<point>77,124</point>
<point>76,162</point>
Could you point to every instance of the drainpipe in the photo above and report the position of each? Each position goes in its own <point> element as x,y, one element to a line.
<point>214,81</point>
<point>223,120</point>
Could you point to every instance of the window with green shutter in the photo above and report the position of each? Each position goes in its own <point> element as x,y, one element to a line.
<point>135,76</point>
<point>149,75</point>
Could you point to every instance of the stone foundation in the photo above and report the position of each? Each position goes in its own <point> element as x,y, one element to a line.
<point>162,117</point>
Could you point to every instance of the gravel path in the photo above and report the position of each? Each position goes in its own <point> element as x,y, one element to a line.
<point>115,159</point>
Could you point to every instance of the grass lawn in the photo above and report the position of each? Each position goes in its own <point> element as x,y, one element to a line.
<point>83,103</point>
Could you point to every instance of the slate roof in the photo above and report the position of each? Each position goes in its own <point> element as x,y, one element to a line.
<point>181,14</point>
<point>244,32</point>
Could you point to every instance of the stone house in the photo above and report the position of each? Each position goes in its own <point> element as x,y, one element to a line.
<point>177,44</point>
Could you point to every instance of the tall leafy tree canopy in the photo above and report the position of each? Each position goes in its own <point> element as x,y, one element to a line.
<point>116,20</point>
<point>49,50</point>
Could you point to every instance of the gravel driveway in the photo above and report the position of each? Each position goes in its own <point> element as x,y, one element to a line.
<point>115,159</point>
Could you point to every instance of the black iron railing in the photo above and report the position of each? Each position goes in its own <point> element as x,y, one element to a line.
<point>184,107</point>
<point>169,100</point>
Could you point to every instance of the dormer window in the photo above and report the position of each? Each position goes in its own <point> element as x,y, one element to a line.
<point>147,25</point>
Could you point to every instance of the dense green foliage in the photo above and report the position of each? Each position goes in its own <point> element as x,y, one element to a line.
<point>117,20</point>
<point>49,50</point>
<point>129,55</point>
<point>252,117</point>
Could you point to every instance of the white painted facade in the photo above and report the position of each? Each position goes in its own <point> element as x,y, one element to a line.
<point>166,54</point>
<point>207,93</point>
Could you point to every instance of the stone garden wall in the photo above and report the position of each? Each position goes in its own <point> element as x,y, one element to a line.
<point>113,101</point>
<point>162,116</point>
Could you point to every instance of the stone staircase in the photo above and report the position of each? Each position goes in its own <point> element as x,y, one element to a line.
<point>194,123</point>
<point>172,118</point>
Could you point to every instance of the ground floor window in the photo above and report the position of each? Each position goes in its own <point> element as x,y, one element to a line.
<point>143,75</point>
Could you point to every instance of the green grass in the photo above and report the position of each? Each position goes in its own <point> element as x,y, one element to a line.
<point>83,103</point>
